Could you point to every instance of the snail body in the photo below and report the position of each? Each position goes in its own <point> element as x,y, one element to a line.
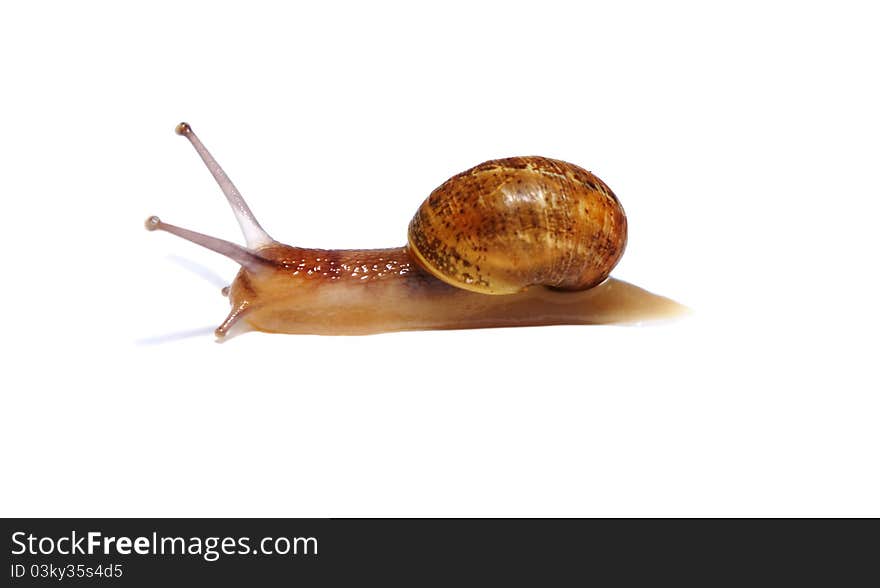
<point>517,241</point>
<point>359,292</point>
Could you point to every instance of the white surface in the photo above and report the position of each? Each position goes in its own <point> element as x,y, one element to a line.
<point>743,143</point>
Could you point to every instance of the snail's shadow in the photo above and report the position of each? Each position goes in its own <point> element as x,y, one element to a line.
<point>207,275</point>
<point>176,336</point>
<point>198,269</point>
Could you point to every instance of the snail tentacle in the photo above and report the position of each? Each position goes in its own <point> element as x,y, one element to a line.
<point>244,257</point>
<point>254,234</point>
<point>235,315</point>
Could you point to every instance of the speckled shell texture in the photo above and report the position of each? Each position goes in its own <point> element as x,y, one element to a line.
<point>508,224</point>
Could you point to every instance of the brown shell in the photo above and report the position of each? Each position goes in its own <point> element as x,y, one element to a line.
<point>508,224</point>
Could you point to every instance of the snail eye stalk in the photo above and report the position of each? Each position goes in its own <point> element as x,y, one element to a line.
<point>254,235</point>
<point>246,258</point>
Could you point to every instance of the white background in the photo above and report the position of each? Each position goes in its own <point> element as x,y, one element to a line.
<point>742,141</point>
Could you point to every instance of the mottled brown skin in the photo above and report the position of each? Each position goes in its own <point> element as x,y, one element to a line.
<point>341,265</point>
<point>359,292</point>
<point>508,224</point>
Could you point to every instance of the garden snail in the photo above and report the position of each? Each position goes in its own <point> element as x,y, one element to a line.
<point>518,241</point>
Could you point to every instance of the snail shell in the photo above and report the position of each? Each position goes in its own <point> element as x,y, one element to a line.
<point>508,224</point>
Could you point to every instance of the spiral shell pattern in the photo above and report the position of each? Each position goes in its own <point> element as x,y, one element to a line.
<point>508,224</point>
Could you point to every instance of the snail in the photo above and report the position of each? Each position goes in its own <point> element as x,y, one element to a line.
<point>510,242</point>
